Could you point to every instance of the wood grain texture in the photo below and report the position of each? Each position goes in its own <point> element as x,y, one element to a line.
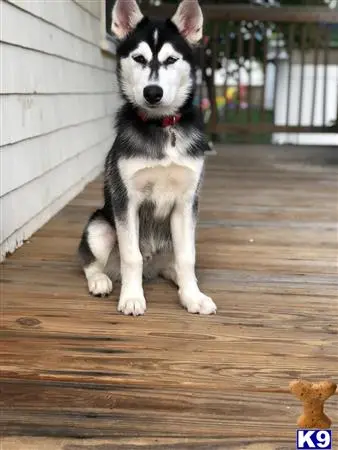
<point>77,375</point>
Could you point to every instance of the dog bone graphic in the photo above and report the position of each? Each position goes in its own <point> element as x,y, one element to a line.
<point>313,396</point>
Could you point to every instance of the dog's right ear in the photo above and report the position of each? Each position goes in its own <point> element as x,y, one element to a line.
<point>125,16</point>
<point>189,20</point>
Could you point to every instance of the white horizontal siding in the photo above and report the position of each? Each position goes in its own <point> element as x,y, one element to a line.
<point>59,94</point>
<point>66,15</point>
<point>17,238</point>
<point>28,30</point>
<point>20,205</point>
<point>93,6</point>
<point>27,116</point>
<point>25,161</point>
<point>28,72</point>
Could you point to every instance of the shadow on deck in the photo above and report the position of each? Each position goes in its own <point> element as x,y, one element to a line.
<point>76,374</point>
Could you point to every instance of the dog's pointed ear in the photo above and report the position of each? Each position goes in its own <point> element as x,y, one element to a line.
<point>189,20</point>
<point>125,16</point>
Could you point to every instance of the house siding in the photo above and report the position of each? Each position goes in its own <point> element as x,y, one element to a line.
<point>58,97</point>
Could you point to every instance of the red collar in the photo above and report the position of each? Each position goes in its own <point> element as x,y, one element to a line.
<point>167,121</point>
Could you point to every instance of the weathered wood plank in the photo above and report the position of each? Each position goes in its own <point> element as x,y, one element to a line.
<point>158,443</point>
<point>73,368</point>
<point>118,409</point>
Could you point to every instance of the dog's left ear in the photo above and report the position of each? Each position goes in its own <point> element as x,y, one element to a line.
<point>189,20</point>
<point>125,16</point>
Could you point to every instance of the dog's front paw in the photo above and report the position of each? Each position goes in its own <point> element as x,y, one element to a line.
<point>100,285</point>
<point>198,303</point>
<point>132,306</point>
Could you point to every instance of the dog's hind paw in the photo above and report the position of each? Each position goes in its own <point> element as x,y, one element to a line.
<point>100,285</point>
<point>198,303</point>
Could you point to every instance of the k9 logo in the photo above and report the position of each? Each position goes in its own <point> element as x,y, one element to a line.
<point>317,439</point>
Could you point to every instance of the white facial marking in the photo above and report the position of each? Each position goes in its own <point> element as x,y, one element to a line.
<point>135,76</point>
<point>144,50</point>
<point>166,51</point>
<point>155,37</point>
<point>175,79</point>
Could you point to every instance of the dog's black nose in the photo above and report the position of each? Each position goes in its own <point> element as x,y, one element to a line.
<point>153,93</point>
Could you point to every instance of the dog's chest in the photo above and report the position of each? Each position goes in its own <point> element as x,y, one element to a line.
<point>163,182</point>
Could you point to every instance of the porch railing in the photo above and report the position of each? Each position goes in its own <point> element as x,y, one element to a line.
<point>268,70</point>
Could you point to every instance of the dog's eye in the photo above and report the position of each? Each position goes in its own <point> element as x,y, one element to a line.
<point>140,59</point>
<point>170,60</point>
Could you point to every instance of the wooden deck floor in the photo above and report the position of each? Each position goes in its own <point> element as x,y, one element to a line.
<point>76,374</point>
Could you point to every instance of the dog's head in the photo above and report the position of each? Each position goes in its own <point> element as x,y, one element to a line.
<point>155,58</point>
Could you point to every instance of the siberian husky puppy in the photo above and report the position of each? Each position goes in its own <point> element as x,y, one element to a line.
<point>154,169</point>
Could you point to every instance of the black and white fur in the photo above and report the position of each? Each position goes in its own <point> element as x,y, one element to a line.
<point>152,173</point>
